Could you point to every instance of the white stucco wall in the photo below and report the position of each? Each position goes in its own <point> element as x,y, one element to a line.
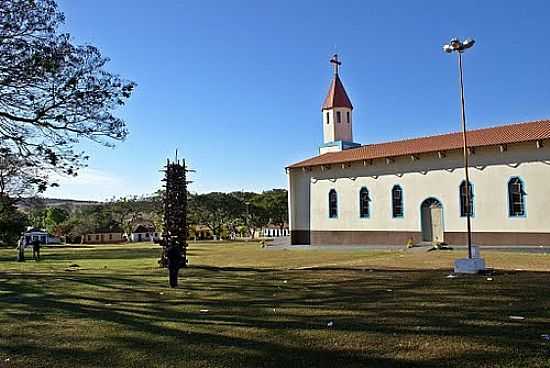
<point>328,149</point>
<point>298,199</point>
<point>427,177</point>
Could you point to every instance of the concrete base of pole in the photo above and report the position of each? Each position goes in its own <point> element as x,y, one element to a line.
<point>470,265</point>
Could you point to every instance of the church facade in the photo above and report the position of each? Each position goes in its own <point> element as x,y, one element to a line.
<point>414,189</point>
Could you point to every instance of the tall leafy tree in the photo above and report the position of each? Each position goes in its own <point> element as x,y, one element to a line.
<point>125,211</point>
<point>12,222</point>
<point>257,216</point>
<point>215,210</point>
<point>54,217</point>
<point>37,217</point>
<point>91,219</point>
<point>254,213</point>
<point>156,210</point>
<point>275,203</point>
<point>53,93</point>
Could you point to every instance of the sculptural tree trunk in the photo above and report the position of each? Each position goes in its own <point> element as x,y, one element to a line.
<point>175,209</point>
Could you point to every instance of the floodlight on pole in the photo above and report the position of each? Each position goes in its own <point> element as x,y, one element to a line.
<point>455,45</point>
<point>468,43</point>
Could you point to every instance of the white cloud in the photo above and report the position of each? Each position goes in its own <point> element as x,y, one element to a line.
<point>88,176</point>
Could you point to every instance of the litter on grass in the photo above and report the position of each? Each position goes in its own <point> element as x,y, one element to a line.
<point>517,318</point>
<point>489,279</point>
<point>73,267</point>
<point>204,310</point>
<point>330,324</point>
<point>451,276</point>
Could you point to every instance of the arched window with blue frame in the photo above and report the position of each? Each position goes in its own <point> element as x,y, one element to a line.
<point>332,204</point>
<point>466,206</point>
<point>516,197</point>
<point>397,201</point>
<point>364,203</point>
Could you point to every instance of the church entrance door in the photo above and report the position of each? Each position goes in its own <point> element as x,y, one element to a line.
<point>432,220</point>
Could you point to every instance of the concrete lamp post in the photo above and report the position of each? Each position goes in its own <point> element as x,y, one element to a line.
<point>474,263</point>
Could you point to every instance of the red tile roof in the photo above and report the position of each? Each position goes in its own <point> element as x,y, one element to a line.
<point>505,134</point>
<point>337,96</point>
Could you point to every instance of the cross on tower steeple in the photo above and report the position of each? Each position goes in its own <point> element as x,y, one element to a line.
<point>337,96</point>
<point>336,112</point>
<point>336,63</point>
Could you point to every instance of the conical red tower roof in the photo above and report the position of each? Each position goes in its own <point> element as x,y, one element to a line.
<point>337,96</point>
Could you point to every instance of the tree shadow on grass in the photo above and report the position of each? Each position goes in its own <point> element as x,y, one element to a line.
<point>273,317</point>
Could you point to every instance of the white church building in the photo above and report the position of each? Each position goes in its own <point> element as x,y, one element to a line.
<point>413,189</point>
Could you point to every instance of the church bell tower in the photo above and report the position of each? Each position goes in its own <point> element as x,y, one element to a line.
<point>337,115</point>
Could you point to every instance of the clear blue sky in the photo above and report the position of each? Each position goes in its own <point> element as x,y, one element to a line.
<point>237,86</point>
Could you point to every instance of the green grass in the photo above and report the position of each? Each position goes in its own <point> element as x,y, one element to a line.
<point>270,308</point>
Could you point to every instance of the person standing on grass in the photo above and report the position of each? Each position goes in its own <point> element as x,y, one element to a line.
<point>21,249</point>
<point>36,250</point>
<point>175,259</point>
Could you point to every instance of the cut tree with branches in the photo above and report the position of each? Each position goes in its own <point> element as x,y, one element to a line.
<point>175,230</point>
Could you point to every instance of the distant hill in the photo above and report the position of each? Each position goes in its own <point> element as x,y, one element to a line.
<point>70,204</point>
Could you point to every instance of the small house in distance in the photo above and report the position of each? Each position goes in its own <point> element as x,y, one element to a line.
<point>42,236</point>
<point>143,232</point>
<point>200,232</point>
<point>103,238</point>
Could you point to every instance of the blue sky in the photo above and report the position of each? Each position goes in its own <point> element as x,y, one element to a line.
<point>237,86</point>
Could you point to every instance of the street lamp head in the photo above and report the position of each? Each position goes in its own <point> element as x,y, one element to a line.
<point>456,44</point>
<point>468,43</point>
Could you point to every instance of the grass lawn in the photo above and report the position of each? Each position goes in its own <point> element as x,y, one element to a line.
<point>242,306</point>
